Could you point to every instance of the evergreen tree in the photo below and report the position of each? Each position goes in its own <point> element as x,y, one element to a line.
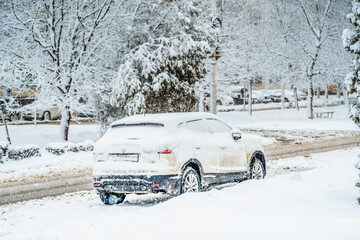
<point>351,41</point>
<point>159,75</point>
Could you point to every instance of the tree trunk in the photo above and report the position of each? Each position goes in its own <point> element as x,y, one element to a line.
<point>6,129</point>
<point>282,94</point>
<point>296,101</point>
<point>318,92</point>
<point>244,96</point>
<point>310,99</point>
<point>65,124</point>
<point>326,95</point>
<point>250,98</point>
<point>338,91</point>
<point>201,102</point>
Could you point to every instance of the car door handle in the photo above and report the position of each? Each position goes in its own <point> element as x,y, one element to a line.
<point>223,147</point>
<point>197,147</point>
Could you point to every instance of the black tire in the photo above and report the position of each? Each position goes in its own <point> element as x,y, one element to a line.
<point>47,116</point>
<point>111,199</point>
<point>257,169</point>
<point>104,197</point>
<point>190,181</point>
<point>286,100</point>
<point>14,118</point>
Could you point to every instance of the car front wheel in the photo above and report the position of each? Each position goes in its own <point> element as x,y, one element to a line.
<point>257,170</point>
<point>190,181</point>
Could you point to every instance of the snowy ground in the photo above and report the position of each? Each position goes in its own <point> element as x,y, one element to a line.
<point>290,119</point>
<point>315,204</point>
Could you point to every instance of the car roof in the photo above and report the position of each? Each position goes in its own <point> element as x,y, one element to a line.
<point>167,119</point>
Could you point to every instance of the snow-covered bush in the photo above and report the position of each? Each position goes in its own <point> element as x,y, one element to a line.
<point>3,150</point>
<point>21,152</point>
<point>63,147</point>
<point>351,43</point>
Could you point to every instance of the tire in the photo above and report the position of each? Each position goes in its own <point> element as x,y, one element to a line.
<point>256,170</point>
<point>104,197</point>
<point>286,100</point>
<point>190,181</point>
<point>111,199</point>
<point>47,116</point>
<point>14,118</point>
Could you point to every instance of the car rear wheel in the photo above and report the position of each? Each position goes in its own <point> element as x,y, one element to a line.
<point>257,170</point>
<point>190,181</point>
<point>111,199</point>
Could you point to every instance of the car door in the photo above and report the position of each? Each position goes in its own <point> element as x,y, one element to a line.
<point>205,149</point>
<point>232,152</point>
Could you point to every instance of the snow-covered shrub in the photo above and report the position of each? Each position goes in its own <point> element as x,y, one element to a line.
<point>21,152</point>
<point>3,150</point>
<point>351,44</point>
<point>63,147</point>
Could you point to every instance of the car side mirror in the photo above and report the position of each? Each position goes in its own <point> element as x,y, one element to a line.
<point>236,133</point>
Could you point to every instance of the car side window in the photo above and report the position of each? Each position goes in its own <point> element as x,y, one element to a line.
<point>217,126</point>
<point>197,126</point>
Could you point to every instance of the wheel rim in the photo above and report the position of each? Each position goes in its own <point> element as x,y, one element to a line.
<point>257,171</point>
<point>191,183</point>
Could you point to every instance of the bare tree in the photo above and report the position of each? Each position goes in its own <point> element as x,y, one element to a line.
<point>64,38</point>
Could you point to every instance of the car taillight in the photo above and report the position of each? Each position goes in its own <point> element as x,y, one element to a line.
<point>165,151</point>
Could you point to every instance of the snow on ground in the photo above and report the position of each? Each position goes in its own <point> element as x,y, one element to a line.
<point>14,170</point>
<point>47,133</point>
<point>315,204</point>
<point>290,119</point>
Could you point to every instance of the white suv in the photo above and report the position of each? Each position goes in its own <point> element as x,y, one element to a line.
<point>172,153</point>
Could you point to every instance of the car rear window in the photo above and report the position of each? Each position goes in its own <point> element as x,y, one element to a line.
<point>144,124</point>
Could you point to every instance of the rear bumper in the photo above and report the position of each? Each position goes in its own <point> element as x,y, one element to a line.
<point>137,184</point>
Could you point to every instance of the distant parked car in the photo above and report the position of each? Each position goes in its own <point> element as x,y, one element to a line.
<point>238,93</point>
<point>10,107</point>
<point>172,153</point>
<point>225,100</point>
<point>288,96</point>
<point>44,113</point>
<point>261,96</point>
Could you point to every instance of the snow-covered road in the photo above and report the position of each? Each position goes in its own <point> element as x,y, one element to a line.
<point>315,204</point>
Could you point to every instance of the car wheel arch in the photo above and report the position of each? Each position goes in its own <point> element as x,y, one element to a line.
<point>196,165</point>
<point>258,155</point>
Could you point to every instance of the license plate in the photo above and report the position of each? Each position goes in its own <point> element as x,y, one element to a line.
<point>125,157</point>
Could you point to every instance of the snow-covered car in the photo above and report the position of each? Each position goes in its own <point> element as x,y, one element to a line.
<point>261,96</point>
<point>225,100</point>
<point>288,96</point>
<point>44,113</point>
<point>172,153</point>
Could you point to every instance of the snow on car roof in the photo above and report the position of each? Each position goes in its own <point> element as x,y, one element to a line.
<point>168,119</point>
